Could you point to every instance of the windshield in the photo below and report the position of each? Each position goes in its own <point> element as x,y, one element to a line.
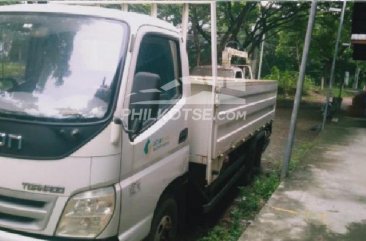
<point>58,66</point>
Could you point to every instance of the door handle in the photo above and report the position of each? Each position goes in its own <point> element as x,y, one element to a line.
<point>183,135</point>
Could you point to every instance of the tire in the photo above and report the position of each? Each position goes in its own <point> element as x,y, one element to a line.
<point>253,163</point>
<point>257,160</point>
<point>164,226</point>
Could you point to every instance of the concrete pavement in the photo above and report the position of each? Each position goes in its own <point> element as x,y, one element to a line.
<point>326,199</point>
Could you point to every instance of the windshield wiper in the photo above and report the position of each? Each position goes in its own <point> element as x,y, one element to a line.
<point>73,115</point>
<point>16,114</point>
<point>12,112</point>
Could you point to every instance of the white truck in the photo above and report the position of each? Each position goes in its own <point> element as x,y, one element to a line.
<point>103,133</point>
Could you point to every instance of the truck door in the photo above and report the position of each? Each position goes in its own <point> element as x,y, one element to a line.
<point>158,130</point>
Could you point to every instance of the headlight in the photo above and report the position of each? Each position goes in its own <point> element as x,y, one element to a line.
<point>87,214</point>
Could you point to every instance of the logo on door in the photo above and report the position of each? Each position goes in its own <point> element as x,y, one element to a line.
<point>147,147</point>
<point>155,144</point>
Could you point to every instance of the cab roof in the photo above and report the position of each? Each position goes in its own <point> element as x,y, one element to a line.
<point>134,20</point>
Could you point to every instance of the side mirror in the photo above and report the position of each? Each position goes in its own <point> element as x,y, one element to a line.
<point>144,100</point>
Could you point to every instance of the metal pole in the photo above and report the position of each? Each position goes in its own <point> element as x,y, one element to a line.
<point>213,95</point>
<point>154,10</point>
<point>331,80</point>
<point>300,83</point>
<point>261,57</point>
<point>357,75</point>
<point>185,22</point>
<point>124,7</point>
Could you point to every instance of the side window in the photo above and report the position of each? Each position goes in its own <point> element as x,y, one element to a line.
<point>238,75</point>
<point>157,81</point>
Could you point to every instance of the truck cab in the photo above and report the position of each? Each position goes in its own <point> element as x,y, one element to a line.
<point>73,157</point>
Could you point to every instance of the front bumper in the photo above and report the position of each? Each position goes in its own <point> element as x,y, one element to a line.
<point>9,236</point>
<point>5,236</point>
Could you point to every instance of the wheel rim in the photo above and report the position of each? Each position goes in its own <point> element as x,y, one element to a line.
<point>164,229</point>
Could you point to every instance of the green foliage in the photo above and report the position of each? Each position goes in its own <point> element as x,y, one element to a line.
<point>5,2</point>
<point>284,46</point>
<point>240,24</point>
<point>299,153</point>
<point>243,24</point>
<point>287,80</point>
<point>251,200</point>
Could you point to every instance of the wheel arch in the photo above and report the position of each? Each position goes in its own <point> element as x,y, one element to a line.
<point>176,189</point>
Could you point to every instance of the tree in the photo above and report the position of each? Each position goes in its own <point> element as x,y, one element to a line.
<point>243,23</point>
<point>287,45</point>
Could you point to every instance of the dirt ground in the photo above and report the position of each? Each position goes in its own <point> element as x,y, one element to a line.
<point>309,121</point>
<point>308,124</point>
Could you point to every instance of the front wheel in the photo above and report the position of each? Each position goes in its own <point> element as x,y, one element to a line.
<point>165,222</point>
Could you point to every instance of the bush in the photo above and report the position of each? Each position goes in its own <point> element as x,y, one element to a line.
<point>287,81</point>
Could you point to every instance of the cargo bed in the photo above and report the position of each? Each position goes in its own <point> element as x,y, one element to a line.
<point>242,107</point>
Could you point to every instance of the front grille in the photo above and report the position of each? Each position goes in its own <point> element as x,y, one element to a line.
<point>23,210</point>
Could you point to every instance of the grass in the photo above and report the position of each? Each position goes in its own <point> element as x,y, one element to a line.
<point>299,152</point>
<point>252,198</point>
<point>247,205</point>
<point>346,92</point>
<point>250,201</point>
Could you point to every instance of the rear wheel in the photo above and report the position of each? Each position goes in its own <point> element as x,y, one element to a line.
<point>253,164</point>
<point>257,160</point>
<point>165,222</point>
